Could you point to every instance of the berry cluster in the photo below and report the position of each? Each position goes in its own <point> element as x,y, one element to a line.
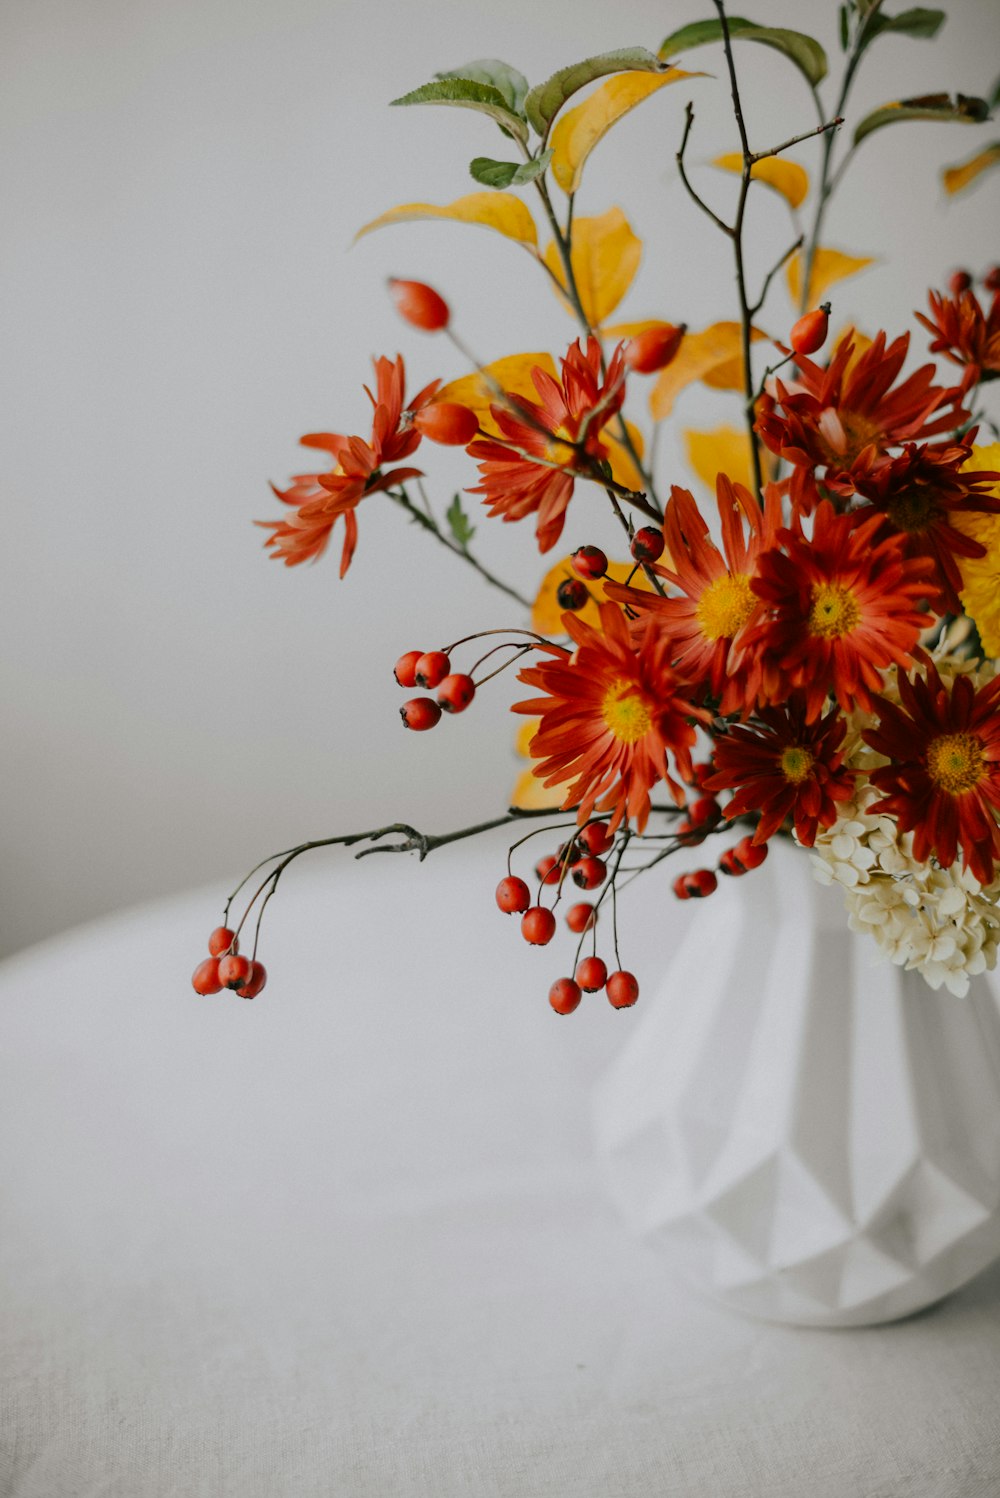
<point>430,669</point>
<point>225,968</point>
<point>963,280</point>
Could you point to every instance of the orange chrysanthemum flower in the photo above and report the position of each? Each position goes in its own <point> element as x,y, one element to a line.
<point>922,493</point>
<point>965,334</point>
<point>709,624</point>
<point>842,606</point>
<point>784,766</point>
<point>319,500</point>
<point>611,714</point>
<point>830,417</point>
<point>942,782</point>
<point>531,469</point>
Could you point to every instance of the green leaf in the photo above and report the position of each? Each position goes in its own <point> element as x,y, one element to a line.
<point>845,31</point>
<point>919,23</point>
<point>468,94</point>
<point>940,107</point>
<point>458,522</point>
<point>994,98</point>
<point>546,99</point>
<point>508,173</point>
<point>804,51</point>
<point>495,74</point>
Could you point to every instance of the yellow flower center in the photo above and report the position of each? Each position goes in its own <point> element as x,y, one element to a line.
<point>846,434</point>
<point>725,606</point>
<point>560,449</point>
<point>796,763</point>
<point>913,509</point>
<point>955,762</point>
<point>626,711</point>
<point>835,611</point>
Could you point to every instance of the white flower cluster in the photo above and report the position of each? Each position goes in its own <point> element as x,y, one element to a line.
<point>941,922</point>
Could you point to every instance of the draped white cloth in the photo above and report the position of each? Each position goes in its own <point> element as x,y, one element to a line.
<point>348,1239</point>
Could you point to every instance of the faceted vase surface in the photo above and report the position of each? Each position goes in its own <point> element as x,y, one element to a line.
<point>809,1133</point>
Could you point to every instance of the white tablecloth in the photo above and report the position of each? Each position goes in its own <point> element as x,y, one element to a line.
<point>348,1239</point>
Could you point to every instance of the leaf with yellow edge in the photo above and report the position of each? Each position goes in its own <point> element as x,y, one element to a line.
<point>714,356</point>
<point>512,374</point>
<point>724,450</point>
<point>605,257</point>
<point>624,469</point>
<point>546,615</point>
<point>501,211</point>
<point>829,267</point>
<point>786,177</point>
<point>578,132</point>
<point>958,178</point>
<point>529,794</point>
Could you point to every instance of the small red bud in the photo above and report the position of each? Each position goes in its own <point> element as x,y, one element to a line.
<point>256,981</point>
<point>680,887</point>
<point>623,989</point>
<point>654,348</point>
<point>431,669</point>
<point>538,926</point>
<point>220,941</point>
<point>405,669</point>
<point>564,995</point>
<point>591,974</point>
<point>701,883</point>
<point>730,864</point>
<point>572,594</point>
<point>750,854</point>
<point>647,544</point>
<point>205,978</point>
<point>959,281</point>
<point>447,422</point>
<point>513,896</point>
<point>582,917</point>
<point>420,713</point>
<point>589,562</point>
<point>589,873</point>
<point>548,870</point>
<point>234,972</point>
<point>456,692</point>
<point>705,812</point>
<point>991,280</point>
<point>809,333</point>
<point>419,305</point>
<point>595,837</point>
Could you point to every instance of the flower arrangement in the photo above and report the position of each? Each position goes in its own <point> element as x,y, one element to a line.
<point>813,655</point>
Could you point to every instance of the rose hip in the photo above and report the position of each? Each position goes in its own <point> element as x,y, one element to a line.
<point>205,978</point>
<point>591,974</point>
<point>221,939</point>
<point>431,669</point>
<point>420,713</point>
<point>623,989</point>
<point>405,669</point>
<point>564,995</point>
<point>582,917</point>
<point>513,896</point>
<point>538,926</point>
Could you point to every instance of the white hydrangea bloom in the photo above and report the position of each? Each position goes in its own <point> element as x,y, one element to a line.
<point>941,922</point>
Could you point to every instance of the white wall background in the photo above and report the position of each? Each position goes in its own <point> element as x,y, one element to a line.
<point>180,186</point>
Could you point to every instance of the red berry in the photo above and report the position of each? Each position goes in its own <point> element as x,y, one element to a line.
<point>420,713</point>
<point>595,837</point>
<point>647,544</point>
<point>564,995</point>
<point>221,940</point>
<point>705,812</point>
<point>623,989</point>
<point>456,692</point>
<point>255,982</point>
<point>591,974</point>
<point>548,869</point>
<point>572,594</point>
<point>959,281</point>
<point>205,978</point>
<point>701,883</point>
<point>730,864</point>
<point>702,770</point>
<point>991,280</point>
<point>589,562</point>
<point>589,873</point>
<point>420,305</point>
<point>538,926</point>
<point>234,972</point>
<point>513,896</point>
<point>809,333</point>
<point>685,828</point>
<point>654,348</point>
<point>447,422</point>
<point>405,669</point>
<point>431,669</point>
<point>750,854</point>
<point>581,917</point>
<point>680,887</point>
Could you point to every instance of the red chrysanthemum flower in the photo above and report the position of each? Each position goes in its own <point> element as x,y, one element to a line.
<point>830,417</point>
<point>943,780</point>
<point>965,334</point>
<point>842,606</point>
<point>784,766</point>
<point>709,624</point>
<point>531,469</point>
<point>921,492</point>
<point>610,715</point>
<point>319,500</point>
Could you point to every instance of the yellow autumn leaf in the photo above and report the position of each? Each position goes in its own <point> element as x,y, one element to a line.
<point>860,340</point>
<point>501,211</point>
<point>958,178</point>
<point>724,450</point>
<point>786,177</point>
<point>829,267</point>
<point>512,374</point>
<point>529,794</point>
<point>624,470</point>
<point>546,615</point>
<point>622,330</point>
<point>605,256</point>
<point>713,356</point>
<point>578,131</point>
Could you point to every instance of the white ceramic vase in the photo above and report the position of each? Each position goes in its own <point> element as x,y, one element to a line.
<point>809,1133</point>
